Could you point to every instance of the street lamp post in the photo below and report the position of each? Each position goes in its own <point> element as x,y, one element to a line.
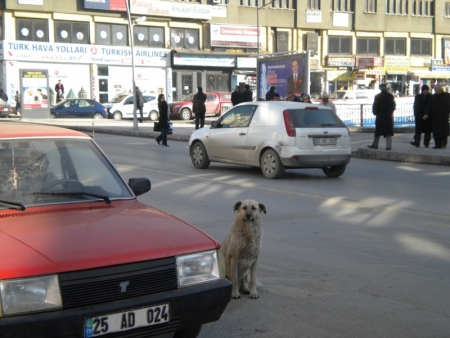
<point>257,21</point>
<point>131,24</point>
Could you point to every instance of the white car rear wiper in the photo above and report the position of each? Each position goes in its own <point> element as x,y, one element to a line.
<point>74,193</point>
<point>18,204</point>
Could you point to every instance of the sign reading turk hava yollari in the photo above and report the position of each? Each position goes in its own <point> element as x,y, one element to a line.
<point>64,52</point>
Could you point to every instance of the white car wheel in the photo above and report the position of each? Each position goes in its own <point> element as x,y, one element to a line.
<point>117,115</point>
<point>199,157</point>
<point>153,116</point>
<point>271,165</point>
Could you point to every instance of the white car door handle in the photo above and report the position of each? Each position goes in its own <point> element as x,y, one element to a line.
<point>242,134</point>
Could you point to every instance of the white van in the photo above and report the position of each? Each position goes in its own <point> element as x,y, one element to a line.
<point>361,94</point>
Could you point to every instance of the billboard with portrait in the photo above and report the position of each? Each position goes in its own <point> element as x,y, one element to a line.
<point>287,73</point>
<point>35,94</point>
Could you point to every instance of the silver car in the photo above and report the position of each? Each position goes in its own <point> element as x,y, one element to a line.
<point>275,136</point>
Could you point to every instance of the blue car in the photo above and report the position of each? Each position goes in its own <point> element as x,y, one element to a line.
<point>79,108</point>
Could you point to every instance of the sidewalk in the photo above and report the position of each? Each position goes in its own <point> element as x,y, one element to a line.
<point>402,150</point>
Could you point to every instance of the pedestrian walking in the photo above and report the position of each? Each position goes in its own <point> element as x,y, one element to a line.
<point>327,103</point>
<point>438,108</point>
<point>422,125</point>
<point>163,109</point>
<point>140,103</point>
<point>18,104</point>
<point>236,96</point>
<point>199,108</point>
<point>247,94</point>
<point>270,93</point>
<point>383,108</point>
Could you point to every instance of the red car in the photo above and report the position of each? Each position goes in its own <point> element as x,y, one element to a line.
<point>81,257</point>
<point>217,103</point>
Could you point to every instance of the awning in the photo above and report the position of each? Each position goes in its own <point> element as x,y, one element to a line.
<point>346,76</point>
<point>397,72</point>
<point>433,75</point>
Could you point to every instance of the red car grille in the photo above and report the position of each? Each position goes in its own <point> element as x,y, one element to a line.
<point>95,286</point>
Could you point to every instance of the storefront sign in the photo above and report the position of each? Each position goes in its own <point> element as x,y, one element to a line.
<point>396,63</point>
<point>236,36</point>
<point>312,42</point>
<point>246,62</point>
<point>203,60</point>
<point>340,19</point>
<point>369,62</point>
<point>360,75</point>
<point>171,9</point>
<point>63,52</point>
<point>108,5</point>
<point>439,65</point>
<point>314,64</point>
<point>219,11</point>
<point>340,61</point>
<point>314,16</point>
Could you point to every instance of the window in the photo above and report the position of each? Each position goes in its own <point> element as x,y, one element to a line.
<point>447,9</point>
<point>32,30</point>
<point>423,8</point>
<point>370,6</point>
<point>339,45</point>
<point>237,118</point>
<point>149,36</point>
<point>399,7</point>
<point>71,32</point>
<point>313,5</point>
<point>367,46</point>
<point>395,47</point>
<point>342,5</point>
<point>109,34</point>
<point>421,47</point>
<point>184,38</point>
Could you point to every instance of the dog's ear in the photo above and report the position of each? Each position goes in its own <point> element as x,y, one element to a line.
<point>237,205</point>
<point>262,208</point>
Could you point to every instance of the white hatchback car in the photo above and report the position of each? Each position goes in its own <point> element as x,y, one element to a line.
<point>121,107</point>
<point>275,136</point>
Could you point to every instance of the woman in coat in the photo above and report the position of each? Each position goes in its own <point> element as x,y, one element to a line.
<point>163,120</point>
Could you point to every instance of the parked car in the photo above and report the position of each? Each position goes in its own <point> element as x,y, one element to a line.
<point>5,109</point>
<point>366,95</point>
<point>78,108</point>
<point>217,103</point>
<point>274,136</point>
<point>121,107</point>
<point>81,257</point>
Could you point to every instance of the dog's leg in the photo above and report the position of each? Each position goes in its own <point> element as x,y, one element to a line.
<point>245,283</point>
<point>234,268</point>
<point>253,292</point>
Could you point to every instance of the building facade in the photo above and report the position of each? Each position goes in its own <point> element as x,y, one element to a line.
<point>215,43</point>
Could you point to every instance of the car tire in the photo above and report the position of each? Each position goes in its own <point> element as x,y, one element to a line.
<point>271,165</point>
<point>52,116</point>
<point>153,115</point>
<point>98,116</point>
<point>199,157</point>
<point>334,171</point>
<point>185,114</point>
<point>117,115</point>
<point>190,332</point>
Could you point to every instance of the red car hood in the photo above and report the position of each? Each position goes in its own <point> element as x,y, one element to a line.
<point>48,240</point>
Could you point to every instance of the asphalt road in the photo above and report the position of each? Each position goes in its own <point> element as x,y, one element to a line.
<point>364,255</point>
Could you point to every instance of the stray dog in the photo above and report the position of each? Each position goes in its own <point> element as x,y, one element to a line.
<point>242,246</point>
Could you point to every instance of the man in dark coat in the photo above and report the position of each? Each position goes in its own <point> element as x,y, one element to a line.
<point>199,108</point>
<point>236,96</point>
<point>140,103</point>
<point>422,125</point>
<point>383,108</point>
<point>247,94</point>
<point>270,93</point>
<point>438,108</point>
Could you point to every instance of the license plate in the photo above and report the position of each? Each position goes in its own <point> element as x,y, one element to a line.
<point>318,141</point>
<point>127,320</point>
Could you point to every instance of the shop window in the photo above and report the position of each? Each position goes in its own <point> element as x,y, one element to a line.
<point>395,47</point>
<point>71,32</point>
<point>149,37</point>
<point>109,34</point>
<point>103,71</point>
<point>339,45</point>
<point>313,5</point>
<point>370,6</point>
<point>184,38</point>
<point>32,29</point>
<point>421,47</point>
<point>367,46</point>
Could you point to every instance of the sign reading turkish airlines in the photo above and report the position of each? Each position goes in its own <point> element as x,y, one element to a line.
<point>77,53</point>
<point>236,36</point>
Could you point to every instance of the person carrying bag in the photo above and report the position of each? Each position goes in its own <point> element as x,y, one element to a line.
<point>163,121</point>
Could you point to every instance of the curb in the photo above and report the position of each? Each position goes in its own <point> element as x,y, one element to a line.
<point>388,155</point>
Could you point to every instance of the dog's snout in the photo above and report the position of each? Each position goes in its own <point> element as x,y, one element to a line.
<point>248,215</point>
